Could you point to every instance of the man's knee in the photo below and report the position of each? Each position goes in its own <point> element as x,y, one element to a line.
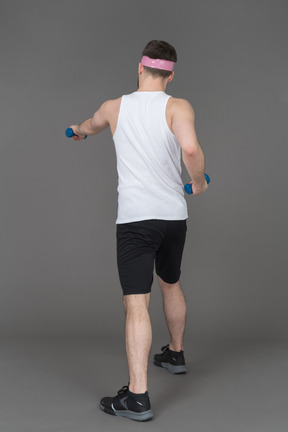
<point>164,284</point>
<point>136,301</point>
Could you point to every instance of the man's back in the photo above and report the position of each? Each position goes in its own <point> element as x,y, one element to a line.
<point>148,160</point>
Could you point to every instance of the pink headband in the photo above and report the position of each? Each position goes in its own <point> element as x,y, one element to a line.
<point>157,63</point>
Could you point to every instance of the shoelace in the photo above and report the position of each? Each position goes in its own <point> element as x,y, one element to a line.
<point>165,348</point>
<point>122,391</point>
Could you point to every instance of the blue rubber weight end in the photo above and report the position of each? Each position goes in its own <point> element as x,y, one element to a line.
<point>188,187</point>
<point>69,133</point>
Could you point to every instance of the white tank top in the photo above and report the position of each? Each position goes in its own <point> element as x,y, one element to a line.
<point>148,161</point>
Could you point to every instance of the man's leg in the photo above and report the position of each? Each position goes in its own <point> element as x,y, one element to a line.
<point>138,334</point>
<point>174,305</point>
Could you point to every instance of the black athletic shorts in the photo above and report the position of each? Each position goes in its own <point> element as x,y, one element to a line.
<point>141,243</point>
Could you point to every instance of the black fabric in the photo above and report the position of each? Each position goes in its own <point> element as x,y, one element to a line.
<point>141,244</point>
<point>176,353</point>
<point>137,395</point>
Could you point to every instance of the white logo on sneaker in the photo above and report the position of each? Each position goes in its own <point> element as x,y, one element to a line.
<point>139,403</point>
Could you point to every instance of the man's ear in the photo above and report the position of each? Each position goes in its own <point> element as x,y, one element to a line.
<point>140,68</point>
<point>170,78</point>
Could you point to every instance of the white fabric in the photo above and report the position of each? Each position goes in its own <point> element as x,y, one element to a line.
<point>148,161</point>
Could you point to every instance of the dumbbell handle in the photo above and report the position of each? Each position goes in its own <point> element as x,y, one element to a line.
<point>188,187</point>
<point>69,133</point>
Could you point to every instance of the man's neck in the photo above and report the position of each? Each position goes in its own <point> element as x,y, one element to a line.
<point>152,85</point>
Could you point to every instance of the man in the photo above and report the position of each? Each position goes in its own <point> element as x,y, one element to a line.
<point>150,129</point>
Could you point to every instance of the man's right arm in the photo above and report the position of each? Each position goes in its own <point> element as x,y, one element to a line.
<point>93,125</point>
<point>183,127</point>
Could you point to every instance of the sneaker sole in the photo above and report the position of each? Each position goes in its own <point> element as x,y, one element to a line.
<point>181,369</point>
<point>144,416</point>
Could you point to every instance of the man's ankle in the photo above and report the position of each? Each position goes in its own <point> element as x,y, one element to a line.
<point>176,348</point>
<point>139,390</point>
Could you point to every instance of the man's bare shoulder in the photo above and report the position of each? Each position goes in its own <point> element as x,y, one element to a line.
<point>111,105</point>
<point>109,110</point>
<point>179,104</point>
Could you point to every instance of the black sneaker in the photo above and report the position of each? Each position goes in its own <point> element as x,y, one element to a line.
<point>126,404</point>
<point>173,361</point>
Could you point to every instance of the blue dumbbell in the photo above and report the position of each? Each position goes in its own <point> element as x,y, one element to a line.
<point>69,133</point>
<point>188,187</point>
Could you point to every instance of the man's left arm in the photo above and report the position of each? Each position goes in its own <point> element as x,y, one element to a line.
<point>93,125</point>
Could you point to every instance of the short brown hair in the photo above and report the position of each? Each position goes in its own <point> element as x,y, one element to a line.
<point>157,49</point>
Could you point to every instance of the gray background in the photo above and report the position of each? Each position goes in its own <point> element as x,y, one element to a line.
<point>59,61</point>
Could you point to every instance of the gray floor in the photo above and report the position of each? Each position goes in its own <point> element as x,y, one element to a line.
<point>54,385</point>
